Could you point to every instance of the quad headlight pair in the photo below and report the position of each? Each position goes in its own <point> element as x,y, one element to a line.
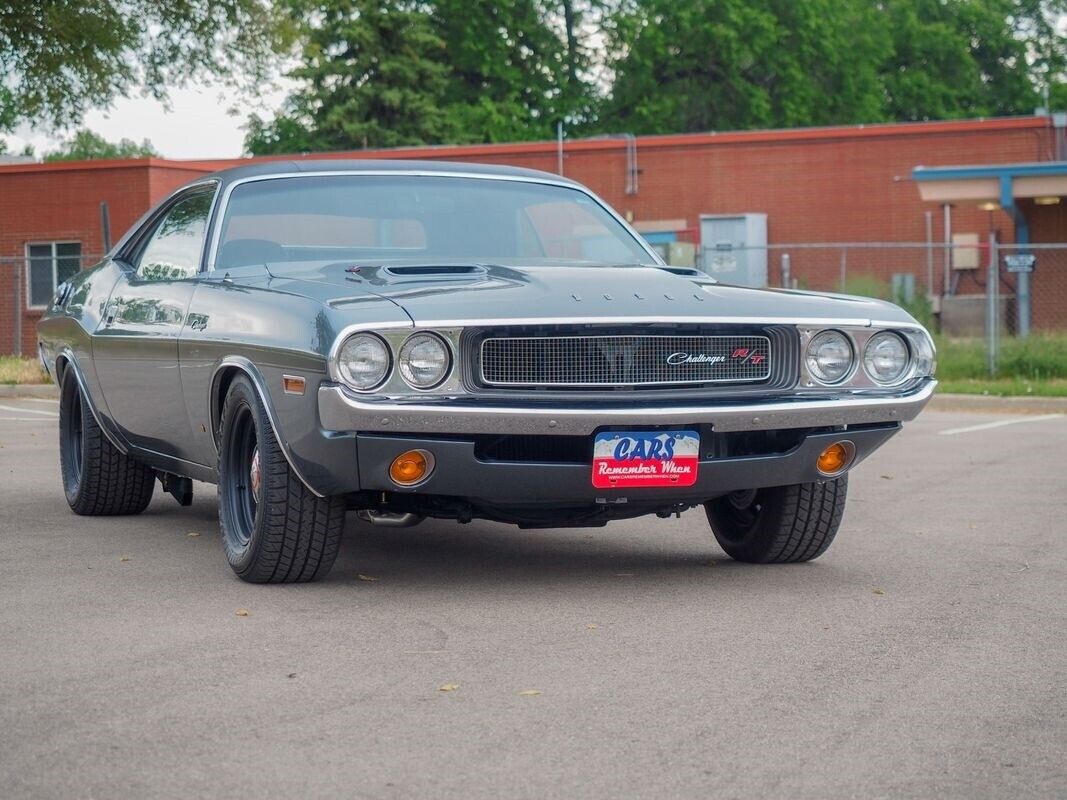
<point>888,357</point>
<point>365,361</point>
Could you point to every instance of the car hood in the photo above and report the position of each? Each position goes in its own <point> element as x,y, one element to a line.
<point>465,293</point>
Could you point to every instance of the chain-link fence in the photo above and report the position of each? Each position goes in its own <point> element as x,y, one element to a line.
<point>984,291</point>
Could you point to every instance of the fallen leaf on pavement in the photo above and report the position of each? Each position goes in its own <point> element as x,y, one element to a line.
<point>370,578</point>
<point>592,626</point>
<point>192,533</point>
<point>124,558</point>
<point>888,477</point>
<point>448,687</point>
<point>529,692</point>
<point>241,612</point>
<point>878,591</point>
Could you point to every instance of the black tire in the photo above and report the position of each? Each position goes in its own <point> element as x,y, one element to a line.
<point>779,525</point>
<point>280,531</point>
<point>98,479</point>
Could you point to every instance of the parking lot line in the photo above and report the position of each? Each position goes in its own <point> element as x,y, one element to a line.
<point>18,410</point>
<point>998,424</point>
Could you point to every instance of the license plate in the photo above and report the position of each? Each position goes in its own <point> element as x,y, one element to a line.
<point>631,459</point>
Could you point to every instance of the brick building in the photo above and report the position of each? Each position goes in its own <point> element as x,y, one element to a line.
<point>815,185</point>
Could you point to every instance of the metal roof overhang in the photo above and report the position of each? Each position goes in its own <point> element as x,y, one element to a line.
<point>997,183</point>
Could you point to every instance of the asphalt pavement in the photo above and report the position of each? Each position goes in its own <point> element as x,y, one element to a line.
<point>925,655</point>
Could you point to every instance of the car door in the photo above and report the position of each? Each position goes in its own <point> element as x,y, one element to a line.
<point>135,349</point>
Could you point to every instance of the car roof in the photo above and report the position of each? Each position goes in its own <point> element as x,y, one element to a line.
<point>321,166</point>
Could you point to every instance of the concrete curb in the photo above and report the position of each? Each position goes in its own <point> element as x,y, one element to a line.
<point>994,404</point>
<point>47,390</point>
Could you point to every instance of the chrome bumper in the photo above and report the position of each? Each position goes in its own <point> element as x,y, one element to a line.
<point>340,411</point>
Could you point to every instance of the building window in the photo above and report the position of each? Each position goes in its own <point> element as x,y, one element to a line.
<point>48,264</point>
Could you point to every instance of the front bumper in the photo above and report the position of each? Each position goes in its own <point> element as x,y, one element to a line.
<point>460,473</point>
<point>341,411</point>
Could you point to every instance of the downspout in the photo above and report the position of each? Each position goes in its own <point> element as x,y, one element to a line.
<point>1022,237</point>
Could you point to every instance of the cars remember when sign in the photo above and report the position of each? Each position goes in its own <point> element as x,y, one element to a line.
<point>645,459</point>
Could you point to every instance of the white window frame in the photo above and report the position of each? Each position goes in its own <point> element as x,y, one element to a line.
<point>55,268</point>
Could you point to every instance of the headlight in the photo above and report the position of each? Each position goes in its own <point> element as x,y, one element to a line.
<point>924,353</point>
<point>363,361</point>
<point>424,360</point>
<point>886,357</point>
<point>829,356</point>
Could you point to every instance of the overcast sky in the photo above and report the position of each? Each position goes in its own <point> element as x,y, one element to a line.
<point>199,123</point>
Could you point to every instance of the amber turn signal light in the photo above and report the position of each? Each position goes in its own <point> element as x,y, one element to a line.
<point>836,458</point>
<point>411,467</point>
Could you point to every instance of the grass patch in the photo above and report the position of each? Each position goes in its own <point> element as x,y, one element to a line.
<point>18,370</point>
<point>1005,387</point>
<point>1041,358</point>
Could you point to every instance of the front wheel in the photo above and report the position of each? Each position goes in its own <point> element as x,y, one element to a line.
<point>779,525</point>
<point>274,529</point>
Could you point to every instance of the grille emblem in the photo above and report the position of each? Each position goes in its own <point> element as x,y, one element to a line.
<point>674,359</point>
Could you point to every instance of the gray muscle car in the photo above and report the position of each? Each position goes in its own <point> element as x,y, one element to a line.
<point>409,340</point>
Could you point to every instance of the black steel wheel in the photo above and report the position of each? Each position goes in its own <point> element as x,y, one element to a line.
<point>274,529</point>
<point>779,525</point>
<point>98,479</point>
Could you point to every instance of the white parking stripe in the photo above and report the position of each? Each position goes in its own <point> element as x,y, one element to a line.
<point>998,424</point>
<point>39,400</point>
<point>25,419</point>
<point>18,410</point>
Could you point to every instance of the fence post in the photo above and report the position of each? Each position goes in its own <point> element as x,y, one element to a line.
<point>786,271</point>
<point>844,267</point>
<point>992,304</point>
<point>16,342</point>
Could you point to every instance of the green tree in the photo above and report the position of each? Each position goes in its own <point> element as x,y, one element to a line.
<point>684,65</point>
<point>969,58</point>
<point>59,58</point>
<point>85,145</point>
<point>373,74</point>
<point>395,72</point>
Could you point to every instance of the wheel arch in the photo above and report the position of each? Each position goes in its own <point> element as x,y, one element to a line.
<point>226,370</point>
<point>67,368</point>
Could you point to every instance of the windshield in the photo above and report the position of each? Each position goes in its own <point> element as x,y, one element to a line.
<point>420,219</point>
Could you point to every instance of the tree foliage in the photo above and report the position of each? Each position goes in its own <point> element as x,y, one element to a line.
<point>85,145</point>
<point>379,73</point>
<point>58,58</point>
<point>683,65</point>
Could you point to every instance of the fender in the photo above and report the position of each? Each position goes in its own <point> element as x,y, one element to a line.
<point>254,375</point>
<point>66,356</point>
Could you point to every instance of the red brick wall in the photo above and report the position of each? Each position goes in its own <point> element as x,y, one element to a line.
<point>819,185</point>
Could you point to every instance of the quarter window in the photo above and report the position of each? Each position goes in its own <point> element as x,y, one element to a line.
<point>173,252</point>
<point>48,265</point>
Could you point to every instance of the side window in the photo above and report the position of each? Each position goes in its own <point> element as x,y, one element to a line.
<point>174,249</point>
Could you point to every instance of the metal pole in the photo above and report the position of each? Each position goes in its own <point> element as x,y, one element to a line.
<point>105,226</point>
<point>559,147</point>
<point>786,269</point>
<point>17,341</point>
<point>948,248</point>
<point>844,267</point>
<point>929,253</point>
<point>992,279</point>
<point>1022,287</point>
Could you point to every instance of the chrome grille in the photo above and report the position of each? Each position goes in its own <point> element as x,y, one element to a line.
<point>664,360</point>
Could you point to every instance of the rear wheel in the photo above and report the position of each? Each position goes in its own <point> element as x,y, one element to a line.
<point>98,479</point>
<point>274,529</point>
<point>779,525</point>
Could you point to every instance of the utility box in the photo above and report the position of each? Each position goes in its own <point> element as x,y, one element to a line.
<point>733,248</point>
